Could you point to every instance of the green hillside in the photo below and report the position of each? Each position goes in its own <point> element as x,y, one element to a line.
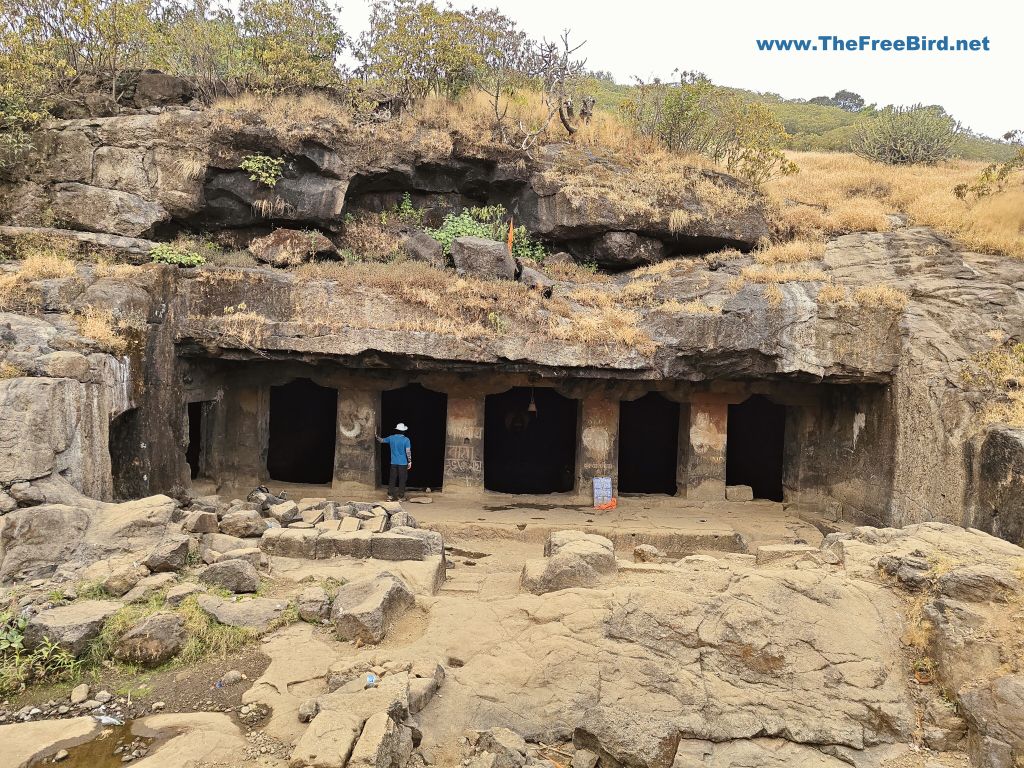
<point>812,127</point>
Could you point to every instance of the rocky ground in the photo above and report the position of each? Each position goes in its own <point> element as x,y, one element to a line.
<point>880,647</point>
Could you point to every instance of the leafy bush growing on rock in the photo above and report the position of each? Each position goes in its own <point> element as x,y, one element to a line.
<point>488,222</point>
<point>165,253</point>
<point>909,136</point>
<point>263,169</point>
<point>18,667</point>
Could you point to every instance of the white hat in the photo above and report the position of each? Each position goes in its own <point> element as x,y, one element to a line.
<point>401,427</point>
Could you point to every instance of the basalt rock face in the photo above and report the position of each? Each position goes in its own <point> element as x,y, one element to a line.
<point>137,175</point>
<point>113,424</point>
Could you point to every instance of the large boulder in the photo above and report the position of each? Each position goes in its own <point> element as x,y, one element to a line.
<point>72,627</point>
<point>152,641</point>
<point>597,551</point>
<point>122,580</point>
<point>243,524</point>
<point>33,542</point>
<point>291,247</point>
<point>619,250</point>
<point>365,609</point>
<point>627,738</point>
<point>156,89</point>
<point>171,554</point>
<point>419,246</point>
<point>235,575</point>
<point>486,259</point>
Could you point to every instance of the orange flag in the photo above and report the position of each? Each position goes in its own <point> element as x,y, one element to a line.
<point>511,233</point>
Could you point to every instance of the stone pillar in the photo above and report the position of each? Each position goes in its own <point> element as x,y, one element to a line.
<point>683,450</point>
<point>705,471</point>
<point>237,448</point>
<point>355,449</point>
<point>597,453</point>
<point>464,444</point>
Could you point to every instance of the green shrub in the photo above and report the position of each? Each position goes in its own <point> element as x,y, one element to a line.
<point>46,663</point>
<point>694,115</point>
<point>488,222</point>
<point>908,136</point>
<point>263,169</point>
<point>179,257</point>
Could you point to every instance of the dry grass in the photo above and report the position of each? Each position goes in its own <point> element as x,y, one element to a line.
<point>880,296</point>
<point>414,296</point>
<point>638,293</point>
<point>366,238</point>
<point>790,252</point>
<point>837,193</point>
<point>248,328</point>
<point>110,333</point>
<point>790,273</point>
<point>678,220</point>
<point>104,268</point>
<point>575,273</point>
<point>773,294</point>
<point>282,114</point>
<point>191,167</point>
<point>10,371</point>
<point>999,375</point>
<point>17,293</point>
<point>832,293</point>
<point>692,307</point>
<point>661,268</point>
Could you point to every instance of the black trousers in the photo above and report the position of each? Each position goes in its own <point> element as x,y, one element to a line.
<point>399,475</point>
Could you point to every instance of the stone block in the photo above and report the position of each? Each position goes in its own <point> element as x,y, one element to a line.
<point>739,493</point>
<point>395,546</point>
<point>343,544</point>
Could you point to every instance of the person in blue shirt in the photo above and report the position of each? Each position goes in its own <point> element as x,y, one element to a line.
<point>401,461</point>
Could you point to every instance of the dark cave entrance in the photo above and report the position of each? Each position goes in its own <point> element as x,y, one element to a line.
<point>754,446</point>
<point>195,451</point>
<point>529,448</point>
<point>303,418</point>
<point>648,445</point>
<point>425,412</point>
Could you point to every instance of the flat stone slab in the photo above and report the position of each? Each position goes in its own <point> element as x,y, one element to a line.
<point>257,613</point>
<point>73,626</point>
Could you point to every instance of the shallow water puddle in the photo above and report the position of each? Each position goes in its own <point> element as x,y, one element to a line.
<point>107,750</point>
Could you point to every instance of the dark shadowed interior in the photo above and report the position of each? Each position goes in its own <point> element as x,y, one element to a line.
<point>648,445</point>
<point>193,453</point>
<point>124,439</point>
<point>302,431</point>
<point>754,450</point>
<point>529,451</point>
<point>425,412</point>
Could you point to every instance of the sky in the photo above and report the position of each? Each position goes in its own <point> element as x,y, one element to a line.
<point>644,38</point>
